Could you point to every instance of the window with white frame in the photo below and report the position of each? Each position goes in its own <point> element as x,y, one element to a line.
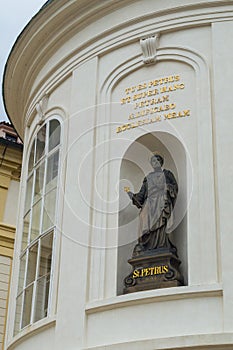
<point>35,272</point>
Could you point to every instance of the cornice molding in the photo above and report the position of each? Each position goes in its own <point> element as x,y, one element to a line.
<point>10,165</point>
<point>7,239</point>
<point>50,33</point>
<point>7,231</point>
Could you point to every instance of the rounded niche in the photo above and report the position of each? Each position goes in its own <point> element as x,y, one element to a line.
<point>135,165</point>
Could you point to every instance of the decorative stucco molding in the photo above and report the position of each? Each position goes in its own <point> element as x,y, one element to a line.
<point>149,47</point>
<point>41,107</point>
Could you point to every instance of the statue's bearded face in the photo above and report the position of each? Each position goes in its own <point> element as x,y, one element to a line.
<point>156,162</point>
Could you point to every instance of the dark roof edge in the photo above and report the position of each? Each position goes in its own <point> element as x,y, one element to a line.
<point>46,4</point>
<point>12,144</point>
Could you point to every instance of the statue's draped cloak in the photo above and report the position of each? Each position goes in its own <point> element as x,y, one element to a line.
<point>156,199</point>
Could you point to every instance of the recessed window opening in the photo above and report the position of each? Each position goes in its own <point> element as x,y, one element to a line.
<point>39,227</point>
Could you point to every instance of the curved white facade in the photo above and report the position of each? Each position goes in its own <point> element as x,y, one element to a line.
<point>125,78</point>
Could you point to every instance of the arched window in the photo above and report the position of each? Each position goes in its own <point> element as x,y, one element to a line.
<point>39,223</point>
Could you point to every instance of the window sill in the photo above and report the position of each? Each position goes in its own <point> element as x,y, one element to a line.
<point>31,330</point>
<point>156,295</point>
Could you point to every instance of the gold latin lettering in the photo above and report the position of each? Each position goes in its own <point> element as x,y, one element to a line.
<point>171,88</point>
<point>177,115</point>
<point>165,98</point>
<point>125,100</point>
<point>164,89</point>
<point>142,272</point>
<point>150,271</point>
<point>186,112</point>
<point>153,101</point>
<point>179,86</point>
<point>153,83</point>
<point>136,273</point>
<point>170,115</point>
<point>160,81</point>
<point>146,106</point>
<point>138,123</point>
<point>142,86</point>
<point>152,110</point>
<point>165,80</point>
<point>156,119</point>
<point>137,97</point>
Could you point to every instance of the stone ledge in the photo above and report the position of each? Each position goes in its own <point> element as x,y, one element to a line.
<point>166,294</point>
<point>216,341</point>
<point>31,330</point>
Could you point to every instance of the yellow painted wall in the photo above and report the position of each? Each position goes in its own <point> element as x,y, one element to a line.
<point>10,167</point>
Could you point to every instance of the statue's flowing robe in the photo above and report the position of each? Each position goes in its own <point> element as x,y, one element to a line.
<point>156,199</point>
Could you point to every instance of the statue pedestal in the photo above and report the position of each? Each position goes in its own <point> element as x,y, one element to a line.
<point>158,268</point>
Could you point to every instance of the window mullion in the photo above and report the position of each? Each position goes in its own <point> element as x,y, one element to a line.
<point>51,274</point>
<point>31,210</point>
<point>57,188</point>
<point>51,285</point>
<point>43,197</point>
<point>54,150</point>
<point>29,227</point>
<point>42,210</point>
<point>35,147</point>
<point>23,290</point>
<point>35,282</point>
<point>21,316</point>
<point>47,140</point>
<point>45,176</point>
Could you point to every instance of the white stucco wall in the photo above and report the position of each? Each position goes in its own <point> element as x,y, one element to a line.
<point>11,208</point>
<point>83,77</point>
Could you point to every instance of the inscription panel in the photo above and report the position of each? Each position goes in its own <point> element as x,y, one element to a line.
<point>153,101</point>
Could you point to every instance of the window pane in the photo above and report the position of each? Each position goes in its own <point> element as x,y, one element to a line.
<point>42,297</point>
<point>40,143</point>
<point>49,210</point>
<point>25,231</point>
<point>28,194</point>
<point>21,273</point>
<point>18,313</point>
<point>31,157</point>
<point>46,254</point>
<point>27,306</point>
<point>39,182</point>
<point>52,171</point>
<point>54,134</point>
<point>31,268</point>
<point>36,213</point>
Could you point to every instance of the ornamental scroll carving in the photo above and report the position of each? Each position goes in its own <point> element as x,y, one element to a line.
<point>149,47</point>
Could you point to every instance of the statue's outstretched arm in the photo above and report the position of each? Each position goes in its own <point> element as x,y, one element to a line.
<point>139,198</point>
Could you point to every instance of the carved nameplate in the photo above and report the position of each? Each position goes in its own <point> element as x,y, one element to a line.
<point>150,271</point>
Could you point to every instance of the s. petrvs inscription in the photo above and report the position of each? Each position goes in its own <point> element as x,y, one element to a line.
<point>150,271</point>
<point>153,102</point>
